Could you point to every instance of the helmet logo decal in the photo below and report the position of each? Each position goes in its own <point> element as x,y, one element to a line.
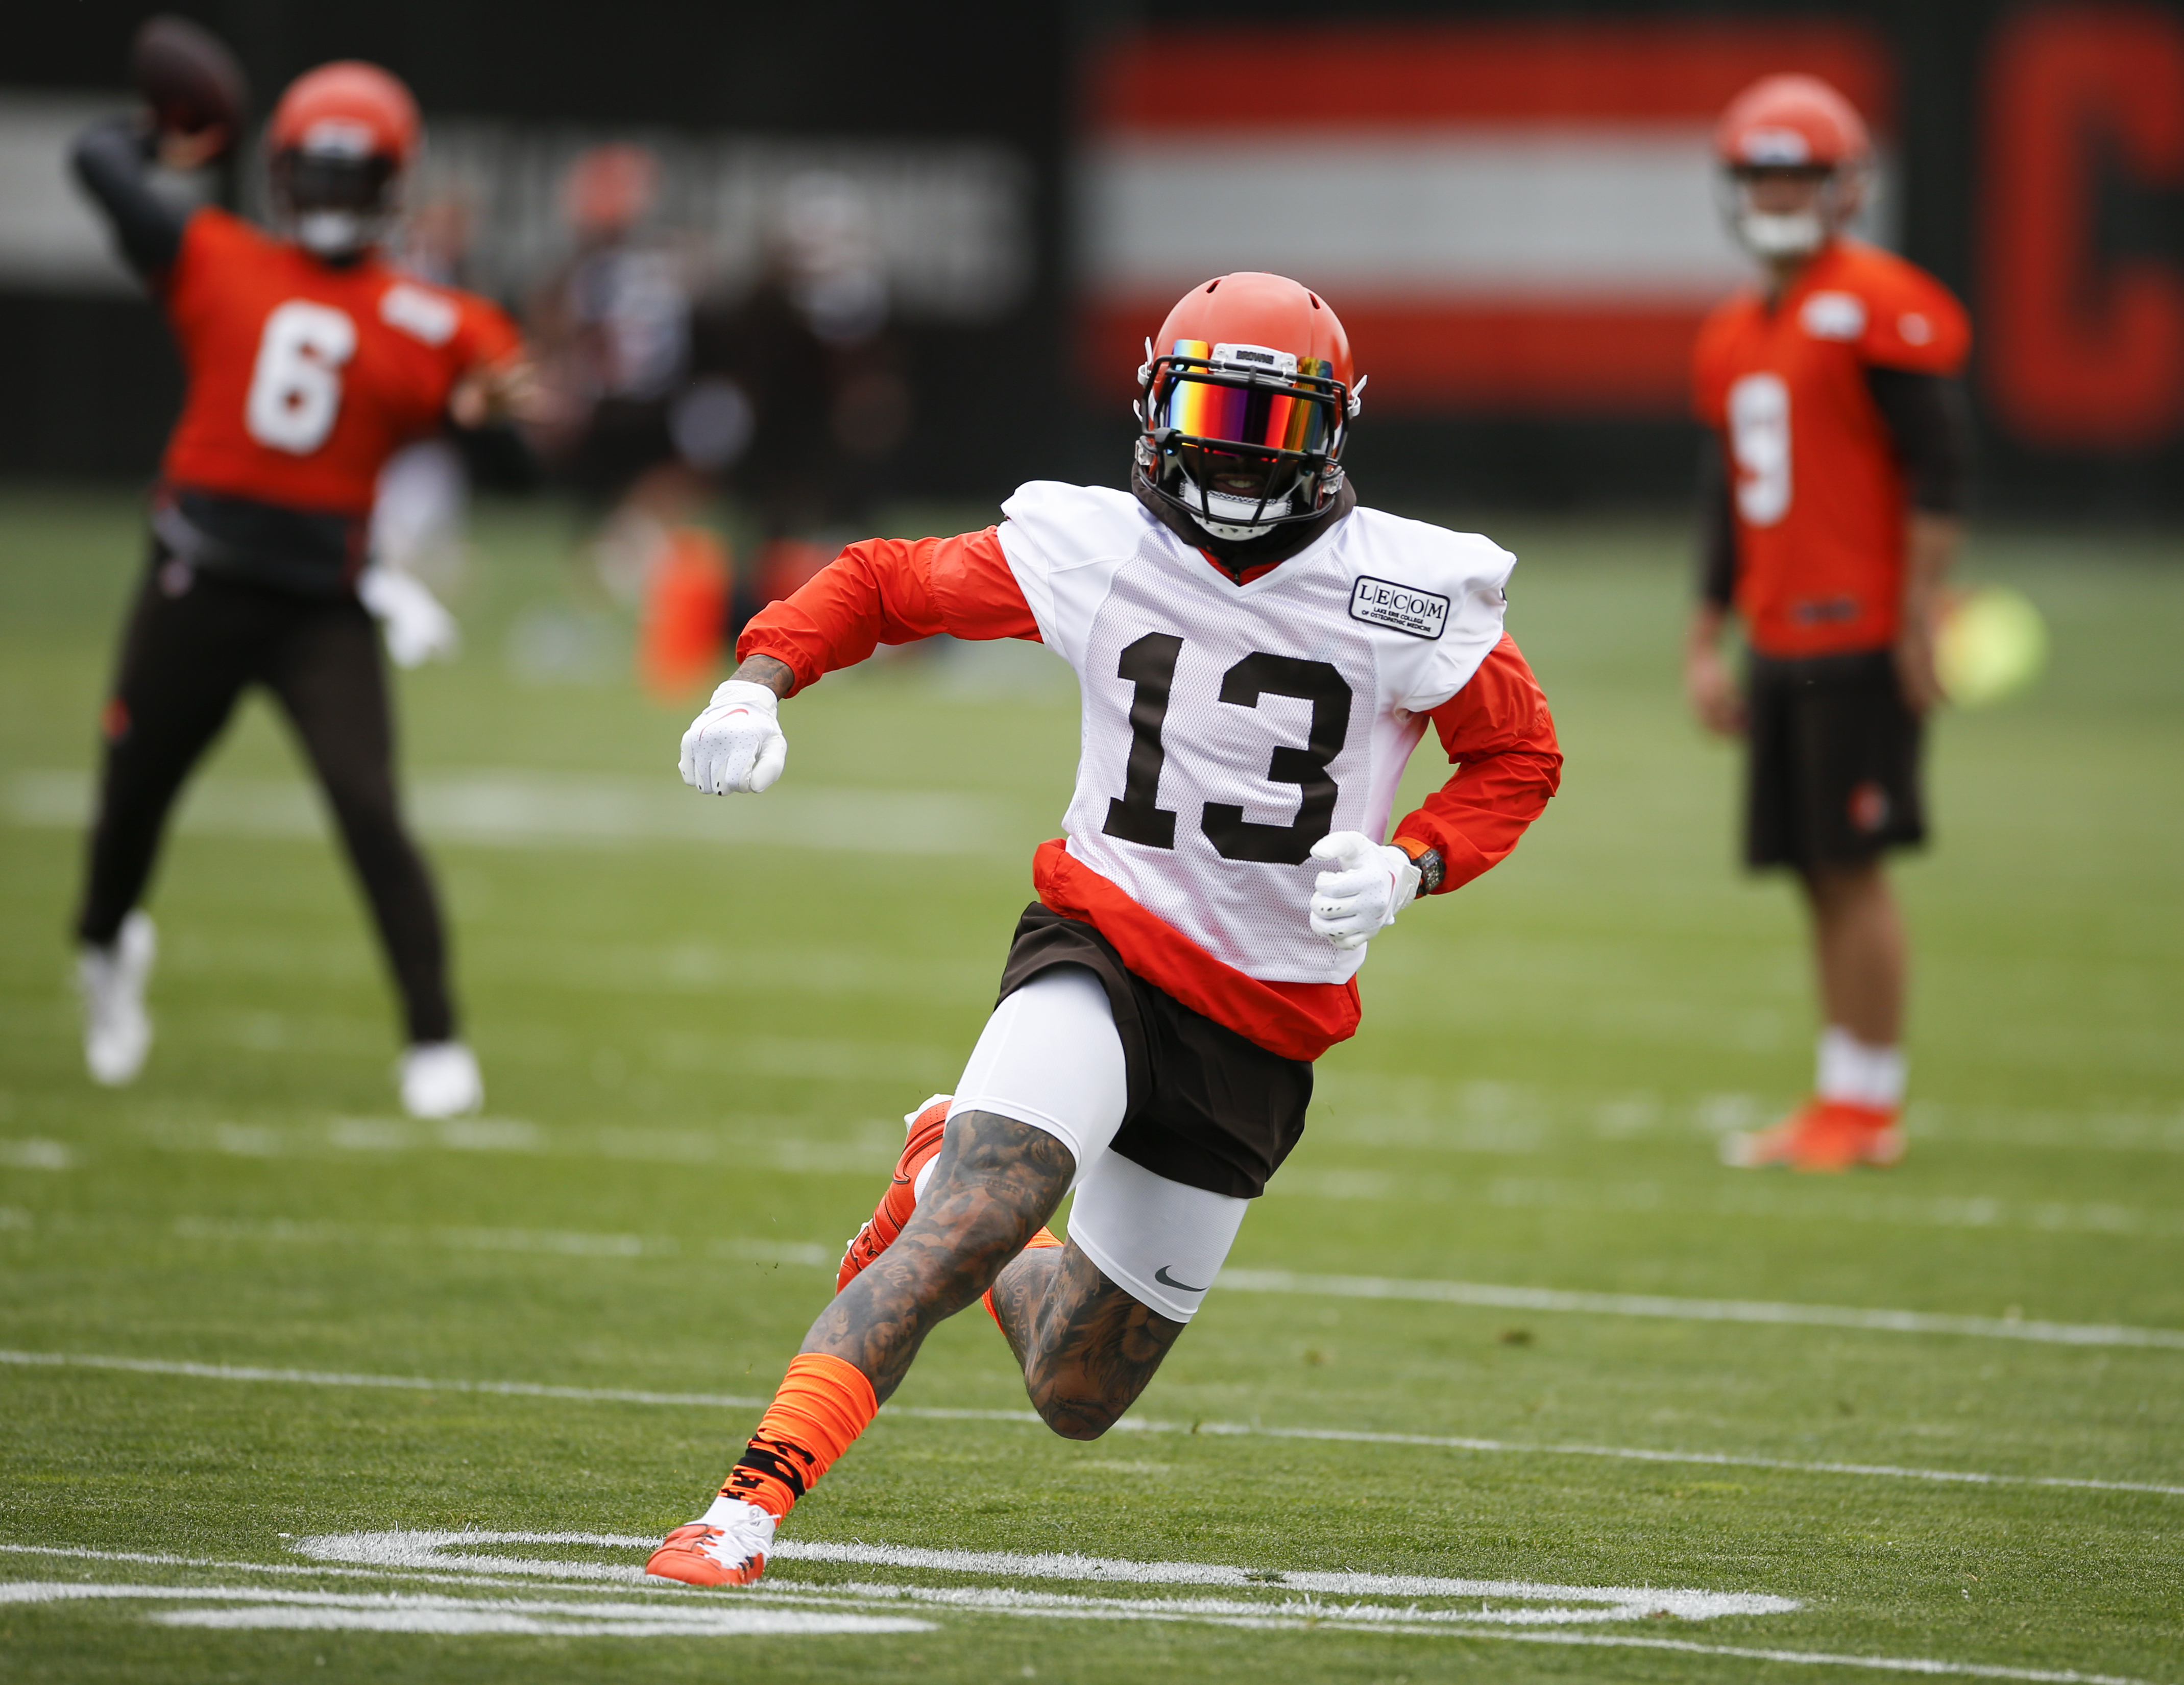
<point>338,137</point>
<point>1250,357</point>
<point>1780,146</point>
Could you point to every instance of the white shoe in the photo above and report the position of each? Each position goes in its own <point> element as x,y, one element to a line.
<point>117,1030</point>
<point>440,1079</point>
<point>725,1546</point>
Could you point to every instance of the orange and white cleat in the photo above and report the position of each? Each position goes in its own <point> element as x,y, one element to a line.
<point>1821,1134</point>
<point>925,1125</point>
<point>725,1546</point>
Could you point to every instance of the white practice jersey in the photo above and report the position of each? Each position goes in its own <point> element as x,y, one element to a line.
<point>1227,727</point>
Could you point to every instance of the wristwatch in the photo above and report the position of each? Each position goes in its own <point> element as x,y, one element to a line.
<point>1432,868</point>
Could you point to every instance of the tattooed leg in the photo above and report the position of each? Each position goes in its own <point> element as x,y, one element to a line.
<point>995,1182</point>
<point>1087,1347</point>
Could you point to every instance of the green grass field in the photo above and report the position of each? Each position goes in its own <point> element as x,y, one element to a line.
<point>1473,1351</point>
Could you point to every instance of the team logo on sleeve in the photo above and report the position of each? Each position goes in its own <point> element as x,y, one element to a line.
<point>1834,316</point>
<point>1400,608</point>
<point>418,313</point>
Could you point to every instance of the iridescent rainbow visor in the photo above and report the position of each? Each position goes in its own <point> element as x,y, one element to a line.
<point>1229,403</point>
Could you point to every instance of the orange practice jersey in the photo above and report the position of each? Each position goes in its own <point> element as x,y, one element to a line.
<point>1819,498</point>
<point>304,377</point>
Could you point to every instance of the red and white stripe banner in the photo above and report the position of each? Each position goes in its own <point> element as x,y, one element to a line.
<point>1508,217</point>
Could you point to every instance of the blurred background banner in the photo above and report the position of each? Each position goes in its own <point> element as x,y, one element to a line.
<point>1511,205</point>
<point>951,220</point>
<point>950,135</point>
<point>1510,217</point>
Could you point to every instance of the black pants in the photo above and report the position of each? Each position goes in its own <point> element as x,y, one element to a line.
<point>194,641</point>
<point>1833,776</point>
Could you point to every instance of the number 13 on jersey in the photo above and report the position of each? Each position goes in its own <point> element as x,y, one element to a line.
<point>1136,815</point>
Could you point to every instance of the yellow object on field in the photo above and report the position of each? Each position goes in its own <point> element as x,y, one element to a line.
<point>1993,643</point>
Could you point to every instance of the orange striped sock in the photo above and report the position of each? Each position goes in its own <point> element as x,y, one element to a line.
<point>1045,1238</point>
<point>822,1405</point>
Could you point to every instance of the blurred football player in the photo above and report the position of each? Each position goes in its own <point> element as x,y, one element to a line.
<point>613,327</point>
<point>309,361</point>
<point>421,511</point>
<point>1258,657</point>
<point>812,347</point>
<point>1835,493</point>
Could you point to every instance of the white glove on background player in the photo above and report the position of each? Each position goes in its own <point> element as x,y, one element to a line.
<point>418,629</point>
<point>735,747</point>
<point>1375,882</point>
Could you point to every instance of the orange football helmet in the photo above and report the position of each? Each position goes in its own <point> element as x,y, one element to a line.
<point>340,141</point>
<point>1797,126</point>
<point>1243,402</point>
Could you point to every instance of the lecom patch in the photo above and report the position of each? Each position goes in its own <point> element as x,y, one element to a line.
<point>1400,608</point>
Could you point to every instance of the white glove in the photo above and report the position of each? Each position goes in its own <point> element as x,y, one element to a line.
<point>735,746</point>
<point>418,629</point>
<point>1376,882</point>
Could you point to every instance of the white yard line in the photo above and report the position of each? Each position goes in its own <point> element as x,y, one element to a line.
<point>259,1608</point>
<point>1482,1295</point>
<point>427,1548</point>
<point>1498,1298</point>
<point>513,807</point>
<point>1926,1664</point>
<point>524,1389</point>
<point>770,1608</point>
<point>414,1383</point>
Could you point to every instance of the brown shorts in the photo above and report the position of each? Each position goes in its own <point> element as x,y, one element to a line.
<point>1207,1107</point>
<point>1833,766</point>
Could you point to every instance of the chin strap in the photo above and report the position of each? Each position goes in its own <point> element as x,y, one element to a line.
<point>1234,535</point>
<point>1234,555</point>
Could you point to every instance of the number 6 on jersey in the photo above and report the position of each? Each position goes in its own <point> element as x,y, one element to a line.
<point>296,384</point>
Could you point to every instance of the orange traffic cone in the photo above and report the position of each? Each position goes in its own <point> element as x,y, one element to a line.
<point>685,610</point>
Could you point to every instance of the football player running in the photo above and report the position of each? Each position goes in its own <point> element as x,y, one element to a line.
<point>1258,656</point>
<point>310,360</point>
<point>1835,493</point>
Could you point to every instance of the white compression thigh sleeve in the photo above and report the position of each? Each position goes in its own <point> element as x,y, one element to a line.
<point>1050,1057</point>
<point>1158,1240</point>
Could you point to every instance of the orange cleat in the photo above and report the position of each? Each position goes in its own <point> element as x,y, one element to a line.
<point>1821,1134</point>
<point>699,1554</point>
<point>926,1126</point>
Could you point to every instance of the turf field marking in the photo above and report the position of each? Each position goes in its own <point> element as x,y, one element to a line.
<point>1488,1295</point>
<point>564,1242</point>
<point>1923,1664</point>
<point>403,1548</point>
<point>1960,1211</point>
<point>1804,1204</point>
<point>1288,1614</point>
<point>1480,1294</point>
<point>567,1243</point>
<point>508,807</point>
<point>853,1157</point>
<point>258,1608</point>
<point>524,1389</point>
<point>1439,1114</point>
<point>35,1154</point>
<point>408,1383</point>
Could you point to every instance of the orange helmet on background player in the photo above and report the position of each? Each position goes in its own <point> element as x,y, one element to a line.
<point>338,143</point>
<point>609,190</point>
<point>1795,125</point>
<point>1245,399</point>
